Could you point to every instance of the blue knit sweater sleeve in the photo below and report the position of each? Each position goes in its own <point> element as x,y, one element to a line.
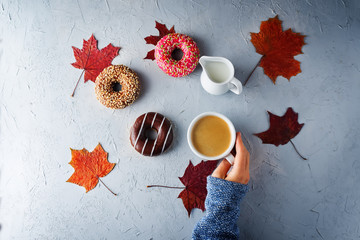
<point>222,210</point>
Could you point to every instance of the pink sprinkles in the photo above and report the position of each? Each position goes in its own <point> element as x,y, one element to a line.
<point>170,66</point>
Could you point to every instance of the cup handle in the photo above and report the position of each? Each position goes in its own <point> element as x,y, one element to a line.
<point>235,86</point>
<point>230,158</point>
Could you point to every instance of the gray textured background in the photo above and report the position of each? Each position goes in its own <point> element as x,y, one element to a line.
<point>39,121</point>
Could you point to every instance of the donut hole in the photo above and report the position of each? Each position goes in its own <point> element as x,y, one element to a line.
<point>116,86</point>
<point>177,54</point>
<point>151,134</point>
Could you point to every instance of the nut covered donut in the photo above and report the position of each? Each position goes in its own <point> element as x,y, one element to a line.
<point>145,145</point>
<point>104,86</point>
<point>170,66</point>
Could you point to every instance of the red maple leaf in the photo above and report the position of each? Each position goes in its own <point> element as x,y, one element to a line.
<point>163,31</point>
<point>278,48</point>
<point>282,129</point>
<point>194,179</point>
<point>89,167</point>
<point>93,60</point>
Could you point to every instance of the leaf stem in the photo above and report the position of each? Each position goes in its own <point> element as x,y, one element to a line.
<point>150,186</point>
<point>72,95</point>
<point>252,71</point>
<point>106,186</point>
<point>297,151</point>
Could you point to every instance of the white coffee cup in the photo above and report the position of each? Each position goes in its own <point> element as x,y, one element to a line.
<point>226,154</point>
<point>218,76</point>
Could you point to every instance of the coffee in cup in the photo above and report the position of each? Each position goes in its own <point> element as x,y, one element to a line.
<point>212,136</point>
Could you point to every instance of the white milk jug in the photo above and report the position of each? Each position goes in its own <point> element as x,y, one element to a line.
<point>218,76</point>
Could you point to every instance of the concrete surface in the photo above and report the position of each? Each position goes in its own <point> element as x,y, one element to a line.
<point>39,121</point>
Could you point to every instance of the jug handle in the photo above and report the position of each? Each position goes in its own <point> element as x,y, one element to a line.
<point>235,86</point>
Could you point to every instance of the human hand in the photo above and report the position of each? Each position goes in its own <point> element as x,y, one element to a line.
<point>240,171</point>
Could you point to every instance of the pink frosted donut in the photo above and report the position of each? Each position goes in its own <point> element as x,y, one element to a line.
<point>170,66</point>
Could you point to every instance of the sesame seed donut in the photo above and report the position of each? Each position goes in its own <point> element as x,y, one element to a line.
<point>170,66</point>
<point>145,145</point>
<point>104,86</point>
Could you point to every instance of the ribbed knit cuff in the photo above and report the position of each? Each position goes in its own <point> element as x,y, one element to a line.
<point>225,191</point>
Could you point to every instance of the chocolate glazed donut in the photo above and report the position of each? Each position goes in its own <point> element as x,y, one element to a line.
<point>145,145</point>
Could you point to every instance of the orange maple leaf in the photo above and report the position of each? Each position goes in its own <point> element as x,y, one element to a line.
<point>89,167</point>
<point>278,48</point>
